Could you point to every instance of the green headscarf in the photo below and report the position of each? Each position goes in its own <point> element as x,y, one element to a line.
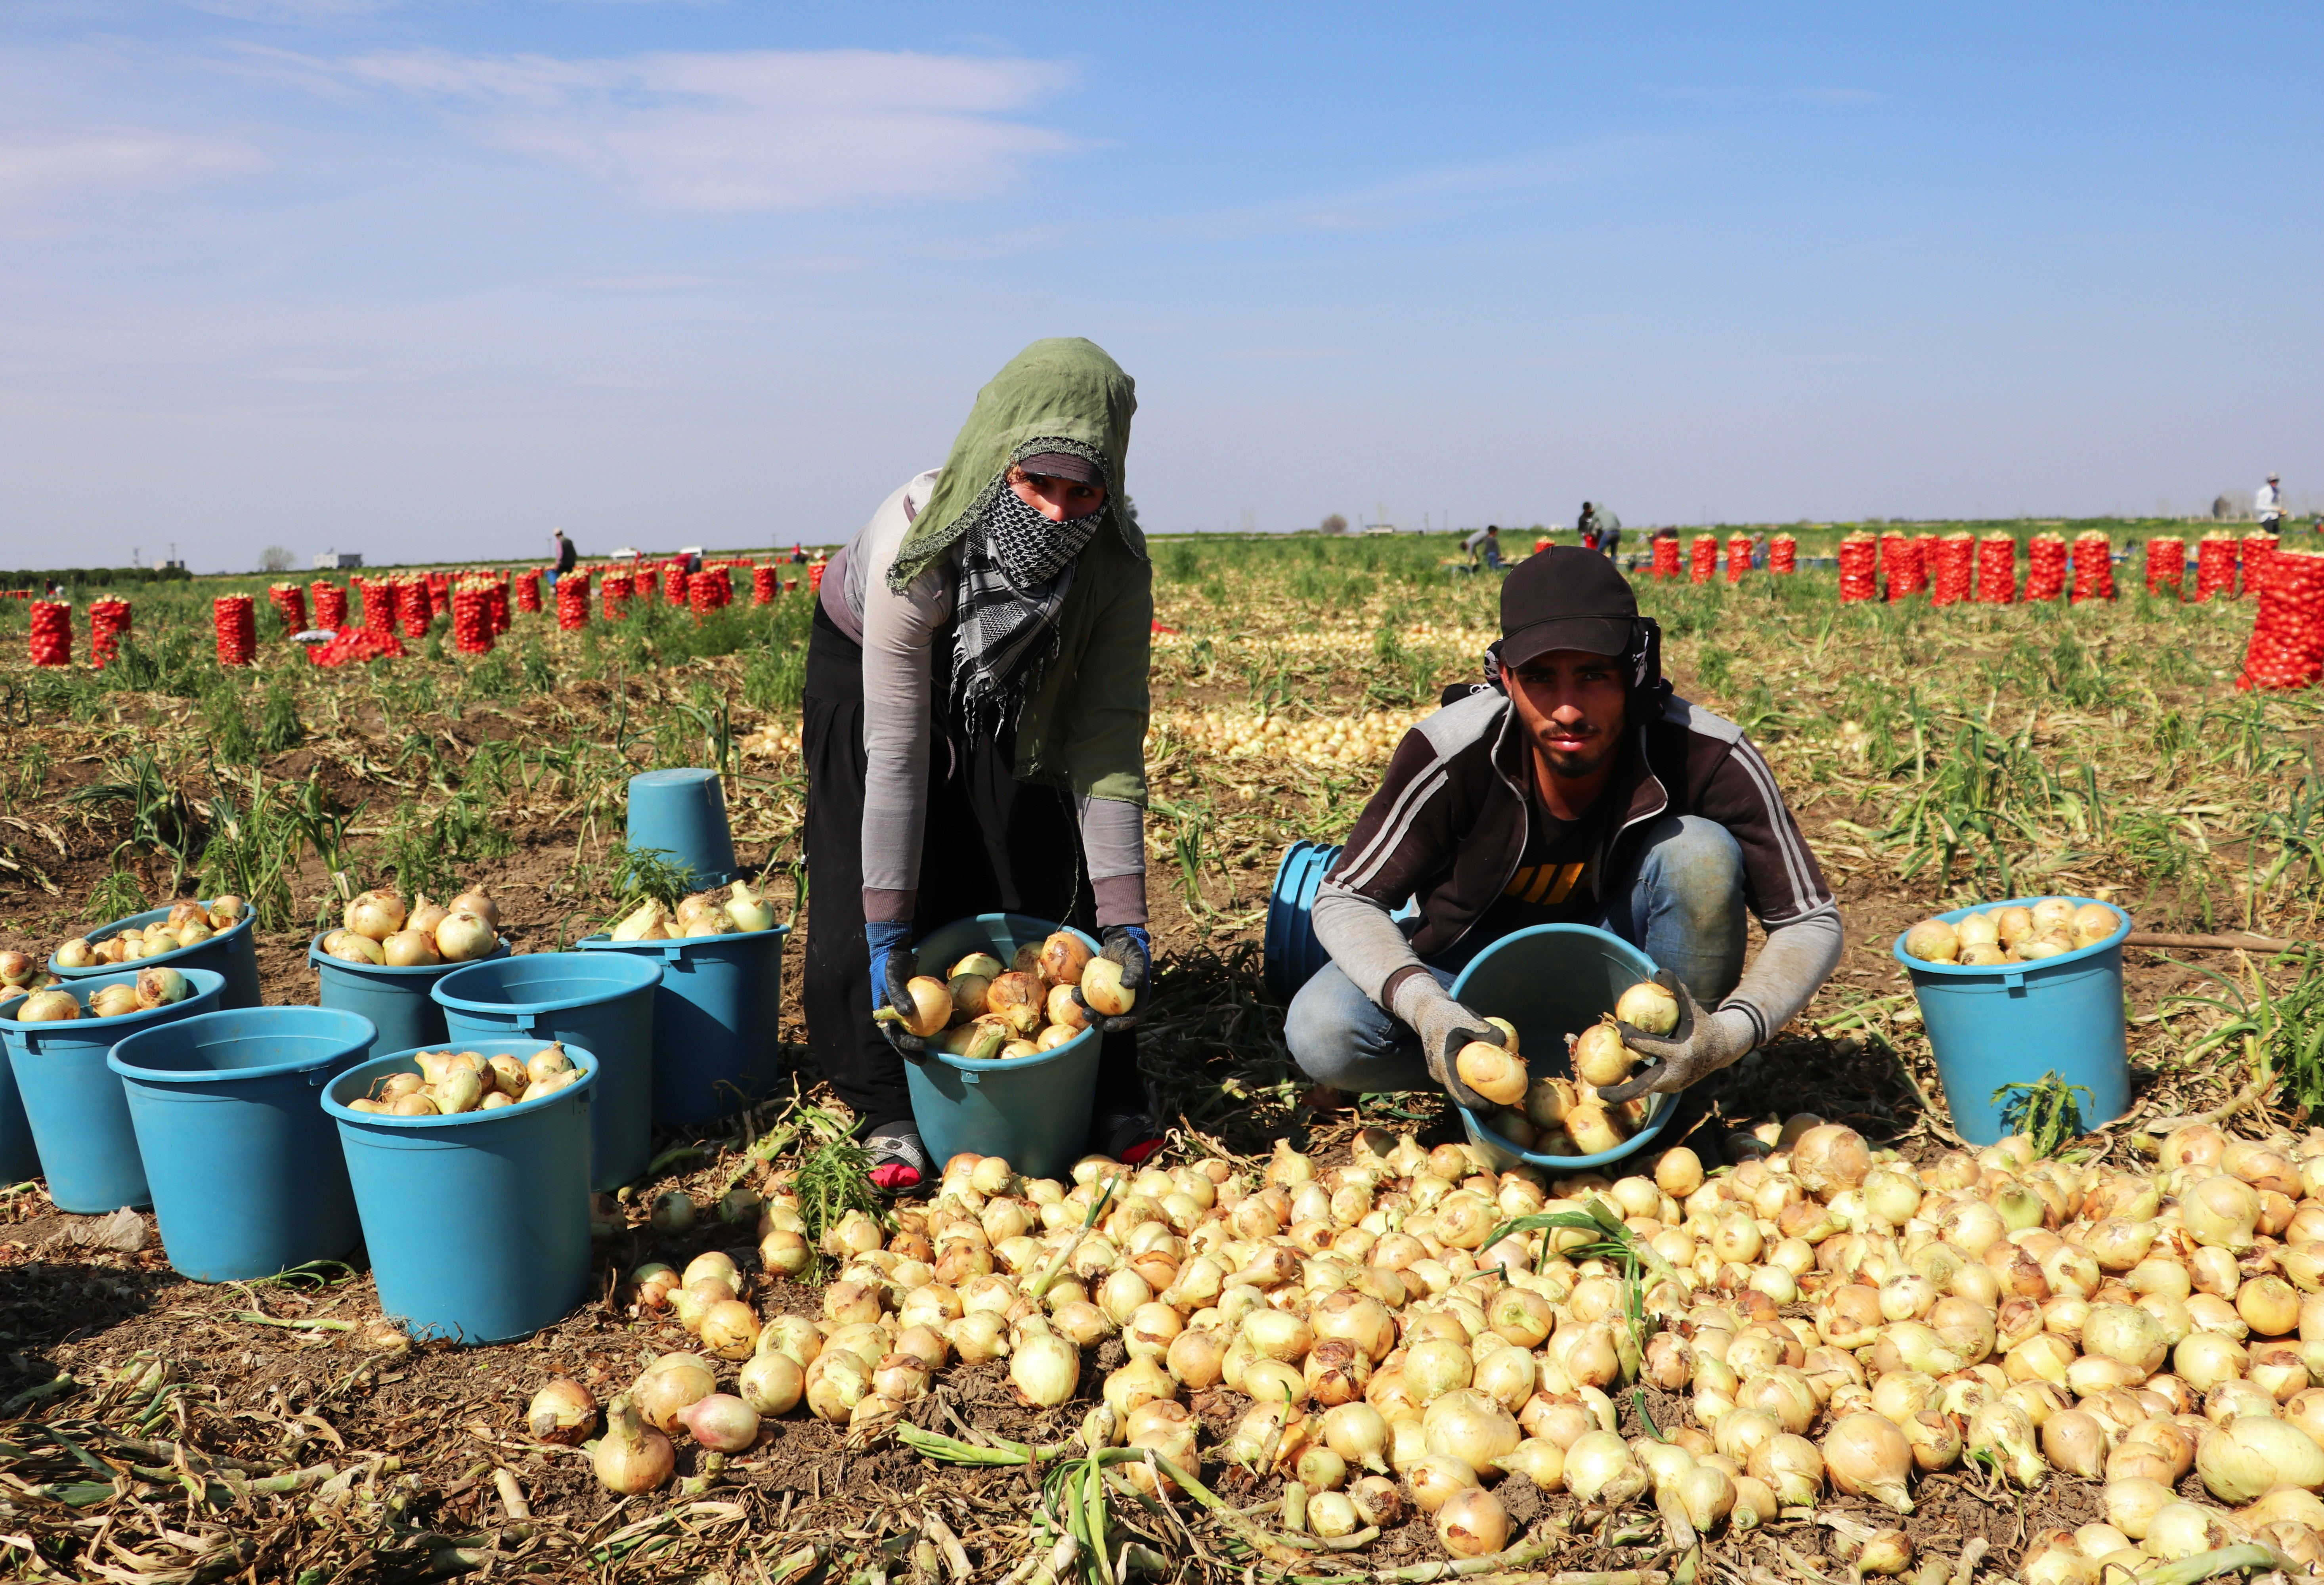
<point>1062,389</point>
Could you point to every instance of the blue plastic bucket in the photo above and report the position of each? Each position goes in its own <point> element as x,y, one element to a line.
<point>395,1000</point>
<point>1553,981</point>
<point>477,1225</point>
<point>1033,1112</point>
<point>2004,1024</point>
<point>681,814</point>
<point>245,1169</point>
<point>19,1158</point>
<point>717,1019</point>
<point>602,1001</point>
<point>74,1104</point>
<point>1290,953</point>
<point>229,955</point>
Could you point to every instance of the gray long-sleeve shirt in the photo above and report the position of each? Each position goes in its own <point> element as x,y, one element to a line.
<point>897,631</point>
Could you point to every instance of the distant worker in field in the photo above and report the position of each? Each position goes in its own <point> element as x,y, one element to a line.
<point>1485,543</point>
<point>2267,505</point>
<point>1572,786</point>
<point>1601,529</point>
<point>975,734</point>
<point>567,557</point>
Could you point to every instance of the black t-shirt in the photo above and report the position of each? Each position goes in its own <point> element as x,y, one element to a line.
<point>1555,880</point>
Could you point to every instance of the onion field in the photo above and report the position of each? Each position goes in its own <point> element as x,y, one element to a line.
<point>157,1430</point>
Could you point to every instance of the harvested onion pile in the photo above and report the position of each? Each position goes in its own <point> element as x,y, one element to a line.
<point>1554,1116</point>
<point>381,931</point>
<point>2052,927</point>
<point>2034,1316</point>
<point>702,914</point>
<point>983,1012</point>
<point>452,1082</point>
<point>190,922</point>
<point>1365,739</point>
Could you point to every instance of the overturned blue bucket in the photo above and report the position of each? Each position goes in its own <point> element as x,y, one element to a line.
<point>1554,980</point>
<point>74,1103</point>
<point>717,1019</point>
<point>396,1001</point>
<point>477,1224</point>
<point>681,814</point>
<point>230,954</point>
<point>245,1169</point>
<point>1033,1112</point>
<point>602,1001</point>
<point>1998,1026</point>
<point>1290,954</point>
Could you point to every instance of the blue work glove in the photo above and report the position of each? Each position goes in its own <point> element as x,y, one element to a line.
<point>892,968</point>
<point>1133,949</point>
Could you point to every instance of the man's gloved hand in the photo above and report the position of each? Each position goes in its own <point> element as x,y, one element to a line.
<point>1700,1045</point>
<point>892,967</point>
<point>1445,1026</point>
<point>1129,946</point>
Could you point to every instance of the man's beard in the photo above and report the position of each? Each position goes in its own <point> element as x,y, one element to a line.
<point>1573,767</point>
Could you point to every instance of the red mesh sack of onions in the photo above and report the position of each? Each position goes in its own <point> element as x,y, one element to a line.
<point>1702,559</point>
<point>527,592</point>
<point>51,633</point>
<point>1782,554</point>
<point>2259,549</point>
<point>1908,573</point>
<point>2045,574</point>
<point>2166,563</point>
<point>331,604</point>
<point>1738,557</point>
<point>2287,641</point>
<point>1665,562</point>
<point>617,595</point>
<point>766,583</point>
<point>1954,555</point>
<point>572,600</point>
<point>290,602</point>
<point>2215,566</point>
<point>1996,569</point>
<point>107,620</point>
<point>2093,568</point>
<point>236,619</point>
<point>1859,556</point>
<point>472,621</point>
<point>673,583</point>
<point>415,606</point>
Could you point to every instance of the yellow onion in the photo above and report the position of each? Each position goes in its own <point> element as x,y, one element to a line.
<point>1472,1523</point>
<point>408,949</point>
<point>631,1457</point>
<point>668,1386</point>
<point>1470,1427</point>
<point>1600,1467</point>
<point>2220,1213</point>
<point>1043,1369</point>
<point>771,1383</point>
<point>464,938</point>
<point>561,1412</point>
<point>1865,1455</point>
<point>1649,1008</point>
<point>2246,1458</point>
<point>722,1422</point>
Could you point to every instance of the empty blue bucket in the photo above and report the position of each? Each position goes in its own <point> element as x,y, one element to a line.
<point>1034,1111</point>
<point>477,1224</point>
<point>2005,1024</point>
<point>229,955</point>
<point>717,1019</point>
<point>1290,954</point>
<point>602,1001</point>
<point>1553,981</point>
<point>245,1169</point>
<point>77,1109</point>
<point>395,1000</point>
<point>681,814</point>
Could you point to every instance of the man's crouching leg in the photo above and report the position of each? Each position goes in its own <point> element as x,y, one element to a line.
<point>1341,1038</point>
<point>1684,907</point>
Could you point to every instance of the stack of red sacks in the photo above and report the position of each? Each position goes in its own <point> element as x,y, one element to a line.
<point>1782,554</point>
<point>2093,567</point>
<point>1996,569</point>
<point>2287,641</point>
<point>1738,557</point>
<point>289,602</point>
<point>236,618</point>
<point>472,617</point>
<point>2214,565</point>
<point>2259,549</point>
<point>415,603</point>
<point>51,633</point>
<point>108,619</point>
<point>709,589</point>
<point>572,600</point>
<point>766,583</point>
<point>331,604</point>
<point>1908,568</point>
<point>617,595</point>
<point>1666,561</point>
<point>1956,555</point>
<point>355,645</point>
<point>673,582</point>
<point>2046,571</point>
<point>497,602</point>
<point>1702,559</point>
<point>2166,564</point>
<point>1860,557</point>
<point>528,591</point>
<point>815,571</point>
<point>378,606</point>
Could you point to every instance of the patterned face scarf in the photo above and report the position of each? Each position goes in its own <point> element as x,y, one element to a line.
<point>1015,568</point>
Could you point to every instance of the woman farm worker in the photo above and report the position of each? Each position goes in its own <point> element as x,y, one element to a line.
<point>975,731</point>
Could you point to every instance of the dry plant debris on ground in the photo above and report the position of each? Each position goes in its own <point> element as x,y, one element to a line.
<point>158,1431</point>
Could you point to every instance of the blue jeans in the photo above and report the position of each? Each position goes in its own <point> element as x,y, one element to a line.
<point>1684,906</point>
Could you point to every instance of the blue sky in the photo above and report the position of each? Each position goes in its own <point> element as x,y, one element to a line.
<point>426,278</point>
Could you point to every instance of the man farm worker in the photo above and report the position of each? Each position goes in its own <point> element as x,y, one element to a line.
<point>1575,785</point>
<point>976,729</point>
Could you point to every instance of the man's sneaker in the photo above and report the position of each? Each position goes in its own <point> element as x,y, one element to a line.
<point>900,1162</point>
<point>1129,1138</point>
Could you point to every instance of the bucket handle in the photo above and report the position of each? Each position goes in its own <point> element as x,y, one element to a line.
<point>524,1021</point>
<point>2014,981</point>
<point>671,953</point>
<point>969,1076</point>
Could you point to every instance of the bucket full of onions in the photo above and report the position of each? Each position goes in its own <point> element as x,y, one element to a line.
<point>2012,991</point>
<point>476,1219</point>
<point>602,1001</point>
<point>57,1042</point>
<point>718,1009</point>
<point>245,1170</point>
<point>1550,990</point>
<point>386,956</point>
<point>1011,1066</point>
<point>211,933</point>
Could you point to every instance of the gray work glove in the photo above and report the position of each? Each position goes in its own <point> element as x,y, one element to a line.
<point>1130,946</point>
<point>1445,1026</point>
<point>1703,1044</point>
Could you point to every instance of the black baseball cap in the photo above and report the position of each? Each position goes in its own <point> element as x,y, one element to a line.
<point>1064,465</point>
<point>1565,598</point>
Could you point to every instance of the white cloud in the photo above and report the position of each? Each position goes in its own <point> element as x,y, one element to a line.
<point>749,130</point>
<point>32,171</point>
